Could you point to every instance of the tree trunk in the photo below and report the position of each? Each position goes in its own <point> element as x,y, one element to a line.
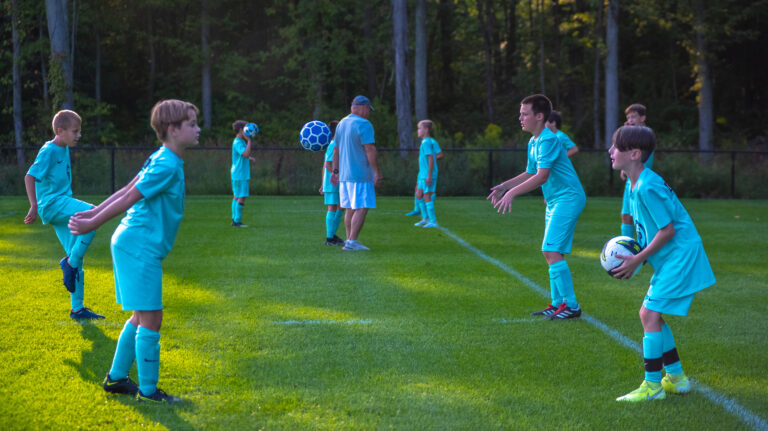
<point>611,71</point>
<point>207,105</point>
<point>706,123</point>
<point>403,88</point>
<point>370,61</point>
<point>18,126</point>
<point>511,45</point>
<point>43,66</point>
<point>596,129</point>
<point>542,77</point>
<point>445,17</point>
<point>58,27</point>
<point>420,61</point>
<point>558,44</point>
<point>484,25</point>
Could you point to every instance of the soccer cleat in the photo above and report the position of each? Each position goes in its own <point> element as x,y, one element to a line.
<point>648,391</point>
<point>431,224</point>
<point>70,274</point>
<point>238,224</point>
<point>421,223</point>
<point>158,397</point>
<point>413,213</point>
<point>120,386</point>
<point>550,310</point>
<point>84,313</point>
<point>676,383</point>
<point>565,312</point>
<point>338,240</point>
<point>354,246</point>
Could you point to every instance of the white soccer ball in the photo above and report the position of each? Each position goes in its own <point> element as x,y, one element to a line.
<point>250,130</point>
<point>622,245</point>
<point>315,136</point>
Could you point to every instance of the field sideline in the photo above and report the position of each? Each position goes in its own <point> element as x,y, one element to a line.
<point>266,327</point>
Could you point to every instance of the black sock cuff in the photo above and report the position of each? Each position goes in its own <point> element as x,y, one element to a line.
<point>670,357</point>
<point>655,364</point>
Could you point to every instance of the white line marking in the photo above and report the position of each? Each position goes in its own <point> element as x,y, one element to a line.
<point>9,214</point>
<point>324,322</point>
<point>503,320</point>
<point>732,406</point>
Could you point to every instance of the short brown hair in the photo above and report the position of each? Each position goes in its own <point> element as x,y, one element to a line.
<point>238,125</point>
<point>332,125</point>
<point>429,125</point>
<point>540,104</point>
<point>641,138</point>
<point>65,119</point>
<point>170,112</point>
<point>637,108</point>
<point>555,117</point>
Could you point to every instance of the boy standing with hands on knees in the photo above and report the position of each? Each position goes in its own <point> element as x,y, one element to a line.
<point>154,201</point>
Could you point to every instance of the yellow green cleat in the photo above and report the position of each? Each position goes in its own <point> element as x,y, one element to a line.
<point>648,391</point>
<point>676,383</point>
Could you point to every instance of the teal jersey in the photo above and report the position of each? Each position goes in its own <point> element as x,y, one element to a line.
<point>564,140</point>
<point>429,147</point>
<point>327,186</point>
<point>649,163</point>
<point>240,170</point>
<point>149,227</point>
<point>563,186</point>
<point>52,171</point>
<point>680,267</point>
<point>352,134</point>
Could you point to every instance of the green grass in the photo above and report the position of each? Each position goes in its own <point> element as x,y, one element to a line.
<point>419,333</point>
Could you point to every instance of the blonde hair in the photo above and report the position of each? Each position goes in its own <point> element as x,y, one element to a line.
<point>170,112</point>
<point>429,125</point>
<point>65,119</point>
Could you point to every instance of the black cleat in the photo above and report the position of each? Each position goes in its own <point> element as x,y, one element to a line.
<point>159,397</point>
<point>550,310</point>
<point>121,386</point>
<point>69,274</point>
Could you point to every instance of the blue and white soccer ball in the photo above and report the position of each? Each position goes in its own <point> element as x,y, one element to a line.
<point>623,245</point>
<point>250,130</point>
<point>315,136</point>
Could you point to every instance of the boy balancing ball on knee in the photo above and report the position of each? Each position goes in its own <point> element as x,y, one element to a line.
<point>154,200</point>
<point>673,247</point>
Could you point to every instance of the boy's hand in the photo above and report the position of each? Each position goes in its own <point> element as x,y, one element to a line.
<point>504,205</point>
<point>320,190</point>
<point>428,181</point>
<point>628,268</point>
<point>335,179</point>
<point>79,224</point>
<point>496,193</point>
<point>31,215</point>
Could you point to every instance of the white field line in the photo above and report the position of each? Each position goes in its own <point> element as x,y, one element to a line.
<point>323,322</point>
<point>10,214</point>
<point>730,405</point>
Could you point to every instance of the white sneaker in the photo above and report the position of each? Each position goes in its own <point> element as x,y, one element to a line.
<point>430,224</point>
<point>421,223</point>
<point>354,246</point>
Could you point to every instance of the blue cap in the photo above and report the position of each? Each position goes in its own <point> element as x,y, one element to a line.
<point>362,100</point>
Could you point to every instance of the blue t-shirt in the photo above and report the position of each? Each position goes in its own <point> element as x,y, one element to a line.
<point>150,226</point>
<point>565,140</point>
<point>240,170</point>
<point>563,186</point>
<point>327,186</point>
<point>680,267</point>
<point>352,133</point>
<point>53,178</point>
<point>429,147</point>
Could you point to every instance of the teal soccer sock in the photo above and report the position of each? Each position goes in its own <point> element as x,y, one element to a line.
<point>564,283</point>
<point>76,297</point>
<point>80,246</point>
<point>416,203</point>
<point>672,363</point>
<point>339,218</point>
<point>430,206</point>
<point>553,292</point>
<point>125,352</point>
<point>423,208</point>
<point>234,209</point>
<point>628,230</point>
<point>147,359</point>
<point>652,348</point>
<point>238,212</point>
<point>330,224</point>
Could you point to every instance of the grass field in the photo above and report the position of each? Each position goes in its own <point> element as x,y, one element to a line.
<point>267,328</point>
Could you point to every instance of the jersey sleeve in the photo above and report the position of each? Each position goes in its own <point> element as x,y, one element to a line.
<point>155,178</point>
<point>366,133</point>
<point>548,152</point>
<point>41,165</point>
<point>436,147</point>
<point>567,142</point>
<point>660,204</point>
<point>239,146</point>
<point>531,164</point>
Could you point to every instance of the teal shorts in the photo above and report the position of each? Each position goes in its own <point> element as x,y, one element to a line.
<point>676,306</point>
<point>138,281</point>
<point>331,198</point>
<point>422,185</point>
<point>66,207</point>
<point>240,188</point>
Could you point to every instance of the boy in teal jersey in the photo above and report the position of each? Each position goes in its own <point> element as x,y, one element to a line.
<point>426,182</point>
<point>418,198</point>
<point>240,171</point>
<point>672,245</point>
<point>154,201</point>
<point>330,193</point>
<point>635,114</point>
<point>554,123</point>
<point>549,168</point>
<point>49,189</point>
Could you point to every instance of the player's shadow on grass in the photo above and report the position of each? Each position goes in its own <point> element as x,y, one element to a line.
<point>95,364</point>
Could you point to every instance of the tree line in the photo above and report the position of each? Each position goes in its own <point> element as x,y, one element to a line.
<point>698,65</point>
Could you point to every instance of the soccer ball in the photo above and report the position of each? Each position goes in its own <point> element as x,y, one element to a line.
<point>250,130</point>
<point>623,245</point>
<point>315,136</point>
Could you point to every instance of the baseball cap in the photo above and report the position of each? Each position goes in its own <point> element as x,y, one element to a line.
<point>362,100</point>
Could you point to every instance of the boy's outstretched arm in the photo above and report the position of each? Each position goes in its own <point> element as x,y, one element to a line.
<point>627,269</point>
<point>498,191</point>
<point>29,184</point>
<point>114,205</point>
<point>532,182</point>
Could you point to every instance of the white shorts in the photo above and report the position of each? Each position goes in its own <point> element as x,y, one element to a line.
<point>357,195</point>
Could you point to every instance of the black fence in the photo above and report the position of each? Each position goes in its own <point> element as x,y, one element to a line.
<point>462,172</point>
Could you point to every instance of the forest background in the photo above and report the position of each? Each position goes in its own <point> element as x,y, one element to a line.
<point>698,65</point>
